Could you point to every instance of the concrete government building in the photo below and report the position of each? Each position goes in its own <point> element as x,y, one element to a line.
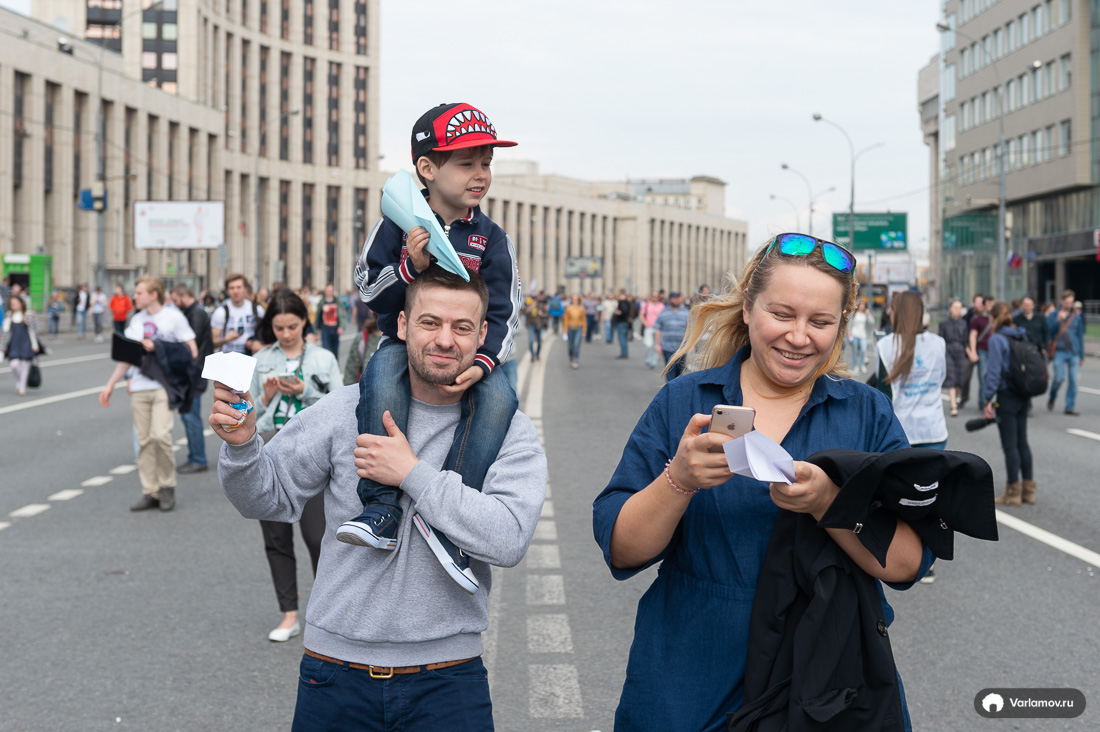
<point>271,106</point>
<point>1024,71</point>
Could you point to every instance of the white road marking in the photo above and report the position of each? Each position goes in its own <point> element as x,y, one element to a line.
<point>549,493</point>
<point>181,441</point>
<point>1084,433</point>
<point>555,691</point>
<point>538,378</point>
<point>177,448</point>
<point>1088,390</point>
<point>1063,545</point>
<point>543,556</point>
<point>122,469</point>
<point>96,481</point>
<point>547,510</point>
<point>208,432</point>
<point>56,398</point>
<point>66,495</point>
<point>549,633</point>
<point>489,637</point>
<point>546,531</point>
<point>545,589</point>
<point>32,509</point>
<point>46,363</point>
<point>4,525</point>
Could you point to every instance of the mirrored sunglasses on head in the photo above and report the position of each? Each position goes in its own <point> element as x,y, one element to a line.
<point>800,245</point>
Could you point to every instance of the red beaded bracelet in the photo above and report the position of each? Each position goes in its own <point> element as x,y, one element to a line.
<point>675,487</point>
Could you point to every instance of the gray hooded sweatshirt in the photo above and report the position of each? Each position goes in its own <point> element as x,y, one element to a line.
<point>393,608</point>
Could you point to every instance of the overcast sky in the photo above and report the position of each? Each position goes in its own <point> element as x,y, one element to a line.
<point>610,89</point>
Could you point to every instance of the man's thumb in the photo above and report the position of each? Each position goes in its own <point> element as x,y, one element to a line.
<point>390,425</point>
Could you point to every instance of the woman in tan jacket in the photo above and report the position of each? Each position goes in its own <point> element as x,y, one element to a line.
<point>576,325</point>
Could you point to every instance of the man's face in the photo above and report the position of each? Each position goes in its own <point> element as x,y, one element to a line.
<point>329,290</point>
<point>236,291</point>
<point>676,301</point>
<point>142,297</point>
<point>1027,306</point>
<point>978,303</point>
<point>177,299</point>
<point>1067,302</point>
<point>443,330</point>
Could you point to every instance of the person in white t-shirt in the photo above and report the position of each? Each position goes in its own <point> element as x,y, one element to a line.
<point>915,363</point>
<point>233,323</point>
<point>148,398</point>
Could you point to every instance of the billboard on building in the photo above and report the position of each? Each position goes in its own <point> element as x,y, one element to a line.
<point>583,267</point>
<point>873,230</point>
<point>179,224</point>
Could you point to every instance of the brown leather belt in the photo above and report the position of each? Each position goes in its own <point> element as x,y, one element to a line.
<point>386,672</point>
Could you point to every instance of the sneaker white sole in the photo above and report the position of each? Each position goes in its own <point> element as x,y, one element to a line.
<point>359,534</point>
<point>464,578</point>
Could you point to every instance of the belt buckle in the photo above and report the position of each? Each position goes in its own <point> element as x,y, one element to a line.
<point>380,672</point>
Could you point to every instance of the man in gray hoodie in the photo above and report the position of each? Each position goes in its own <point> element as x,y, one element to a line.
<point>378,622</point>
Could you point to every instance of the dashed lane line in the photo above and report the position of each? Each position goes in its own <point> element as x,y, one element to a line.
<point>549,633</point>
<point>96,481</point>
<point>56,398</point>
<point>547,509</point>
<point>1053,540</point>
<point>66,495</point>
<point>1084,433</point>
<point>123,469</point>
<point>31,509</point>
<point>545,589</point>
<point>4,525</point>
<point>46,363</point>
<point>546,531</point>
<point>1089,390</point>
<point>555,691</point>
<point>543,556</point>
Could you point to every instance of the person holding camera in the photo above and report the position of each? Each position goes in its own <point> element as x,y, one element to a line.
<point>1009,408</point>
<point>291,374</point>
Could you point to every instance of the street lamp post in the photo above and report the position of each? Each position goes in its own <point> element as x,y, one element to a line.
<point>1002,252</point>
<point>809,188</point>
<point>256,199</point>
<point>797,221</point>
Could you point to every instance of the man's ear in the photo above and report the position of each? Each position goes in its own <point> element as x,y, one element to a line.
<point>484,331</point>
<point>402,324</point>
<point>426,168</point>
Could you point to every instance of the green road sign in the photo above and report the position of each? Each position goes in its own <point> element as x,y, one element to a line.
<point>885,231</point>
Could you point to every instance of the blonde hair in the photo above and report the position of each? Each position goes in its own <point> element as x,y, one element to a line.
<point>908,322</point>
<point>720,318</point>
<point>154,285</point>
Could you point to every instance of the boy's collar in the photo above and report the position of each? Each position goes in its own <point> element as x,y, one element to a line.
<point>471,216</point>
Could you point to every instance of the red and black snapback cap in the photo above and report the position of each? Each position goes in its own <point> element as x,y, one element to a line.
<point>453,127</point>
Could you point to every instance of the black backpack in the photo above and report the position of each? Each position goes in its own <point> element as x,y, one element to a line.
<point>1027,369</point>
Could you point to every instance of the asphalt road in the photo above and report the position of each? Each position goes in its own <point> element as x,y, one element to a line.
<point>119,621</point>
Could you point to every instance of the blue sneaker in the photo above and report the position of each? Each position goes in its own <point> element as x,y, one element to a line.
<point>453,559</point>
<point>375,527</point>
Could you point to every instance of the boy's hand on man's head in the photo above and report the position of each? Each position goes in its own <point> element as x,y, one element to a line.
<point>417,244</point>
<point>464,381</point>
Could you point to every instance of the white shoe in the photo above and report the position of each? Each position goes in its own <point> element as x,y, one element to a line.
<point>282,635</point>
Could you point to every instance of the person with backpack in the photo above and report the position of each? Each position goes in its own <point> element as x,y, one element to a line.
<point>1005,397</point>
<point>233,324</point>
<point>557,309</point>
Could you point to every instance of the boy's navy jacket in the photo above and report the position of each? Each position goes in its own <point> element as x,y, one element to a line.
<point>819,656</point>
<point>937,492</point>
<point>384,271</point>
<point>170,364</point>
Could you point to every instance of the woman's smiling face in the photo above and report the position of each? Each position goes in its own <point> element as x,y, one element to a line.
<point>794,322</point>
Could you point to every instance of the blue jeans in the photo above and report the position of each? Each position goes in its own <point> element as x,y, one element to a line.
<point>334,698</point>
<point>1012,425</point>
<point>487,410</point>
<point>1064,360</point>
<point>623,329</point>
<point>859,352</point>
<point>942,445</point>
<point>330,339</point>
<point>55,322</point>
<point>575,343</point>
<point>607,330</point>
<point>192,427</point>
<point>534,340</point>
<point>81,322</point>
<point>676,369</point>
<point>590,321</point>
<point>511,372</point>
<point>983,356</point>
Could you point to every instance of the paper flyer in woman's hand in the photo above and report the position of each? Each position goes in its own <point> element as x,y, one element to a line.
<point>758,456</point>
<point>232,369</point>
<point>403,202</point>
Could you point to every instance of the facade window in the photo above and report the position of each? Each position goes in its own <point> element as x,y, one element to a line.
<point>1025,150</point>
<point>1037,155</point>
<point>1064,72</point>
<point>1037,22</point>
<point>245,48</point>
<point>263,16</point>
<point>360,212</point>
<point>332,219</point>
<point>334,25</point>
<point>964,62</point>
<point>947,85</point>
<point>964,116</point>
<point>976,60</point>
<point>987,163</point>
<point>998,43</point>
<point>148,31</point>
<point>987,106</point>
<point>284,223</point>
<point>1010,35</point>
<point>284,106</point>
<point>1025,89</point>
<point>1048,78</point>
<point>103,23</point>
<point>228,82</point>
<point>360,118</point>
<point>244,17</point>
<point>173,134</point>
<point>19,131</point>
<point>307,234</point>
<point>1025,29</point>
<point>979,111</point>
<point>284,21</point>
<point>151,157</point>
<point>1064,140</point>
<point>1064,10</point>
<point>128,156</point>
<point>361,27</point>
<point>1010,95</point>
<point>1012,149</point>
<point>333,116</point>
<point>264,60</point>
<point>949,135</point>
<point>1037,84</point>
<point>307,110</point>
<point>1048,15</point>
<point>78,131</point>
<point>307,22</point>
<point>159,37</point>
<point>1048,143</point>
<point>987,50</point>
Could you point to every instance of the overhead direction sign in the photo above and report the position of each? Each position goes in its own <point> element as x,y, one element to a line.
<point>883,231</point>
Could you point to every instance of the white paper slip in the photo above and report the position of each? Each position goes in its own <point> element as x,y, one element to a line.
<point>232,369</point>
<point>758,456</point>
